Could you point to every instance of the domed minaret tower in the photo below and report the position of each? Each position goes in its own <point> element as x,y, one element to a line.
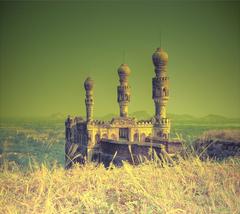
<point>123,89</point>
<point>88,85</point>
<point>160,94</point>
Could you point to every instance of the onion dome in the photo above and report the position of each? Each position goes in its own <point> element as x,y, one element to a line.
<point>88,84</point>
<point>160,57</point>
<point>124,70</point>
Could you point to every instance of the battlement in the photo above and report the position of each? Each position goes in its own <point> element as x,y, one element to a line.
<point>144,123</point>
<point>99,122</point>
<point>165,121</point>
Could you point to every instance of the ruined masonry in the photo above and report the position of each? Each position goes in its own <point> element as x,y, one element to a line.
<point>85,138</point>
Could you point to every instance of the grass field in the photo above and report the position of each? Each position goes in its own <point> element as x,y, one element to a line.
<point>30,182</point>
<point>192,186</point>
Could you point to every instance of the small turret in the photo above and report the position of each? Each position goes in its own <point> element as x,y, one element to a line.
<point>68,126</point>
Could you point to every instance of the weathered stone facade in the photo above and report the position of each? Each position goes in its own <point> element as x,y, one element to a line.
<point>135,152</point>
<point>83,136</point>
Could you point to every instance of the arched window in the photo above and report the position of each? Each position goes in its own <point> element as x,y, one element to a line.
<point>136,137</point>
<point>164,92</point>
<point>165,136</point>
<point>143,136</point>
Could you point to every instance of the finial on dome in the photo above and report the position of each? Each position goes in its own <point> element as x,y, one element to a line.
<point>160,57</point>
<point>88,84</point>
<point>124,70</point>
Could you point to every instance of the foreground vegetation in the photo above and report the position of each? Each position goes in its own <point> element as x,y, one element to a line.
<point>191,186</point>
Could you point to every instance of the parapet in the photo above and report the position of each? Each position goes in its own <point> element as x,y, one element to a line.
<point>144,123</point>
<point>99,122</point>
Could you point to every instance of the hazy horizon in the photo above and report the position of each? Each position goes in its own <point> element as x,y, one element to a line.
<point>146,115</point>
<point>48,49</point>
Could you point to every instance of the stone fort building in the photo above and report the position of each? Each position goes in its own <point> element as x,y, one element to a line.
<point>86,135</point>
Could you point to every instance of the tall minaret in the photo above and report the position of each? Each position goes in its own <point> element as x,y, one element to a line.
<point>160,93</point>
<point>88,85</point>
<point>123,89</point>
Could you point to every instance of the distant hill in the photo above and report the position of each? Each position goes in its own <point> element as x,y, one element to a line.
<point>215,118</point>
<point>141,115</point>
<point>182,117</point>
<point>57,116</point>
<point>106,117</point>
<point>177,118</point>
<point>138,114</point>
<point>209,119</point>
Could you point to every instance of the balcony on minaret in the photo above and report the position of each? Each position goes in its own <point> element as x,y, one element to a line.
<point>165,120</point>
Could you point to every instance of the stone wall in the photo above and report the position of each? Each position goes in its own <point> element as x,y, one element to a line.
<point>135,153</point>
<point>217,148</point>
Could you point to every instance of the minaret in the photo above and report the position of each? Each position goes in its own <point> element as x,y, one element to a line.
<point>123,89</point>
<point>88,85</point>
<point>160,93</point>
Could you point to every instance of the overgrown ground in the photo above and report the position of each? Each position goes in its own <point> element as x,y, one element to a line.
<point>192,186</point>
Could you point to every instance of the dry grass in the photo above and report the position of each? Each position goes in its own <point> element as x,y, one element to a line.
<point>192,186</point>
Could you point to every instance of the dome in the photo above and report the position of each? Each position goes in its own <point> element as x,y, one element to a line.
<point>124,70</point>
<point>88,84</point>
<point>160,57</point>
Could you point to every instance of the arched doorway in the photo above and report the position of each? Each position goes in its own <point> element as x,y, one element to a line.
<point>136,137</point>
<point>164,92</point>
<point>143,136</point>
<point>148,138</point>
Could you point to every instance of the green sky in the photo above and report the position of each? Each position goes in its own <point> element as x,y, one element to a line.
<point>47,49</point>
